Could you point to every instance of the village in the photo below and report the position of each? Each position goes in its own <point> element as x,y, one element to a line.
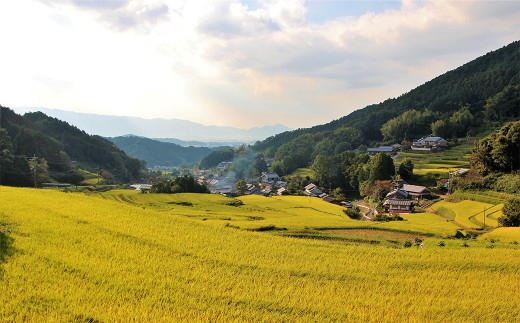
<point>401,199</point>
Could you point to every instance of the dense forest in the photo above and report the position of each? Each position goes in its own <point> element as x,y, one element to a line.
<point>35,147</point>
<point>158,153</point>
<point>456,104</point>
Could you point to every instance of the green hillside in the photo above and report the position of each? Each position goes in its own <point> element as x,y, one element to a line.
<point>158,153</point>
<point>57,151</point>
<point>487,87</point>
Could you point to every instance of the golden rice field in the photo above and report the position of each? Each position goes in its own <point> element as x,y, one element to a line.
<point>473,214</point>
<point>118,257</point>
<point>282,212</point>
<point>503,234</point>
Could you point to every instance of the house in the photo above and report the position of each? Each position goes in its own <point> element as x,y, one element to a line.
<point>224,164</point>
<point>251,189</point>
<point>268,177</point>
<point>282,191</point>
<point>280,184</point>
<point>312,190</point>
<point>141,187</point>
<point>380,149</point>
<point>397,194</point>
<point>428,144</point>
<point>460,172</point>
<point>416,192</point>
<point>328,199</point>
<point>397,206</point>
<point>422,150</point>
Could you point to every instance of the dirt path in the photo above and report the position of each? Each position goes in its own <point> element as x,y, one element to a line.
<point>368,212</point>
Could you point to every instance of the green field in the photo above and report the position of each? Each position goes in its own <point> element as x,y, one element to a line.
<point>125,256</point>
<point>302,172</point>
<point>443,162</point>
<point>89,177</point>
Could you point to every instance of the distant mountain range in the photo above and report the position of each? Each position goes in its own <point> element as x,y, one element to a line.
<point>113,126</point>
<point>158,153</point>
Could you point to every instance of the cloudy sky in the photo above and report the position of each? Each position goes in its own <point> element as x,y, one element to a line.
<point>237,63</point>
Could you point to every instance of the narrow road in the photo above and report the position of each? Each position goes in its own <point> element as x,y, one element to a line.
<point>369,213</point>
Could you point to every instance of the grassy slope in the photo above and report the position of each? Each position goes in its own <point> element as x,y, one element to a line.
<point>76,257</point>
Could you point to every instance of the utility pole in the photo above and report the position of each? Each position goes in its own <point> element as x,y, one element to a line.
<point>484,218</point>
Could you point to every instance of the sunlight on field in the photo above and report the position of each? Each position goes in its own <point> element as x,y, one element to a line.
<point>470,214</point>
<point>503,234</point>
<point>73,257</point>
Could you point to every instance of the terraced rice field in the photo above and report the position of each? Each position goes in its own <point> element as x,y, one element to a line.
<point>73,257</point>
<point>472,214</point>
<point>277,212</point>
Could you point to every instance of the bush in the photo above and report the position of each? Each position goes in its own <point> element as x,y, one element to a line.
<point>441,244</point>
<point>383,217</point>
<point>353,213</point>
<point>407,244</point>
<point>234,203</point>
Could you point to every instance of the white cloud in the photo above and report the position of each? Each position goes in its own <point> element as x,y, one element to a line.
<point>222,62</point>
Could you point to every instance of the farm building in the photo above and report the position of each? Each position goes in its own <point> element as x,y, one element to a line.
<point>397,194</point>
<point>380,149</point>
<point>396,206</point>
<point>416,192</point>
<point>268,177</point>
<point>312,190</point>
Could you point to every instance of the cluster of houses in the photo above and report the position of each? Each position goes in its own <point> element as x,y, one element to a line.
<point>425,145</point>
<point>401,199</point>
<point>428,145</point>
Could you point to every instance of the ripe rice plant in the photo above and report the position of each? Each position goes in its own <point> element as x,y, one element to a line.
<point>74,257</point>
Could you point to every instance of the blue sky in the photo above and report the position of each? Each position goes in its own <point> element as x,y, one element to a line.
<point>237,63</point>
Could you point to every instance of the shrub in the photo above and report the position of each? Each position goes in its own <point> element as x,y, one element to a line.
<point>353,213</point>
<point>383,217</point>
<point>407,244</point>
<point>236,203</point>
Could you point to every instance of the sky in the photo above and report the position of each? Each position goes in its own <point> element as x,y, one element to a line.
<point>237,63</point>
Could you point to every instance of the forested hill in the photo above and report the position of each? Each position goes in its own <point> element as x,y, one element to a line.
<point>494,76</point>
<point>60,150</point>
<point>157,153</point>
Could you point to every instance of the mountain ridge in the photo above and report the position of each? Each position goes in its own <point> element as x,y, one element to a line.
<point>115,126</point>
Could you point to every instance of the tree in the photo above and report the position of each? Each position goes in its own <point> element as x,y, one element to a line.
<point>504,105</point>
<point>321,168</point>
<point>511,213</point>
<point>410,124</point>
<point>381,167</point>
<point>460,121</point>
<point>498,152</point>
<point>440,128</point>
<point>241,187</point>
<point>406,168</point>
